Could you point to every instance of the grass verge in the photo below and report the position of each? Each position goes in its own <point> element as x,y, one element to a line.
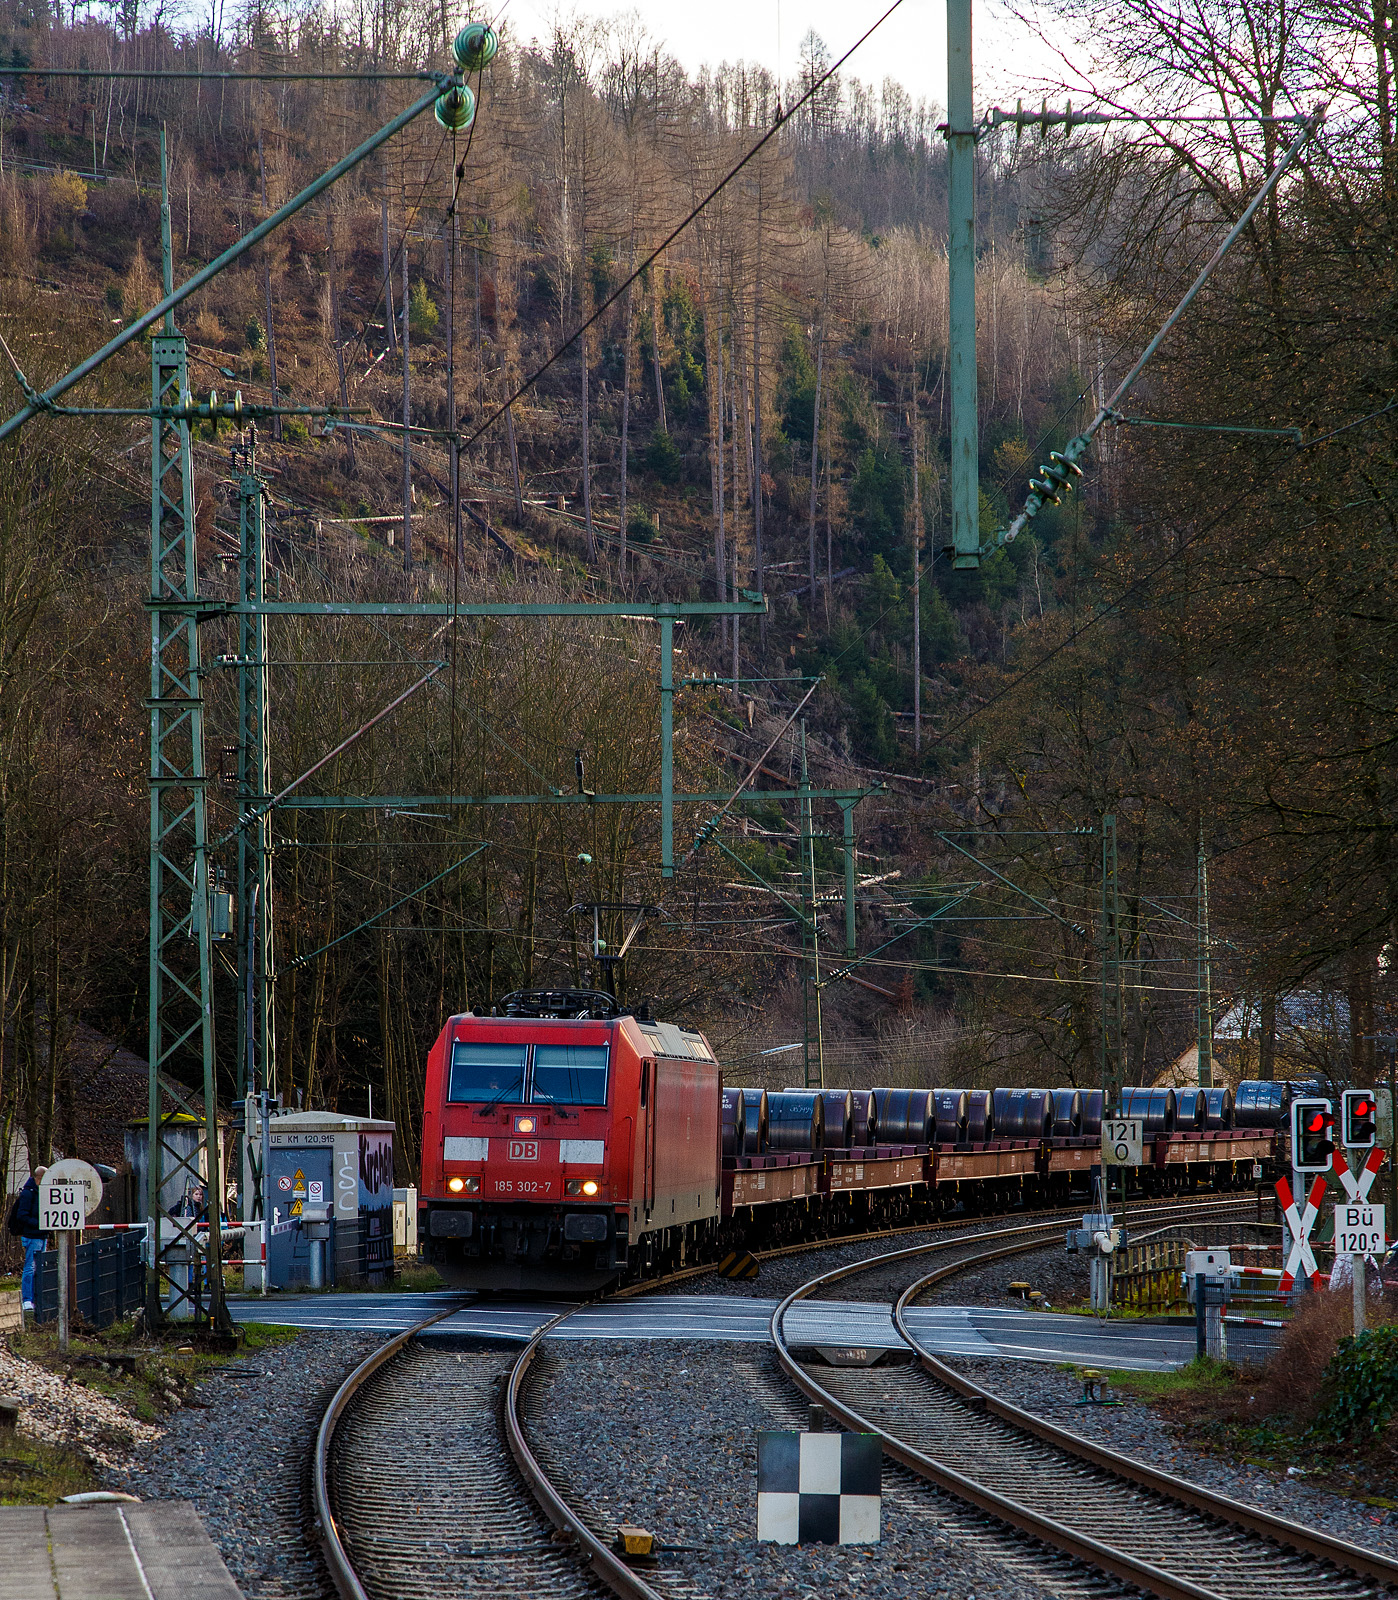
<point>147,1379</point>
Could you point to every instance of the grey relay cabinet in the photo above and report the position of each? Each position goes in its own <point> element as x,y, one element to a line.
<point>322,1159</point>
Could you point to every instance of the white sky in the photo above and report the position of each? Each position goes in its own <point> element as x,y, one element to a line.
<point>910,47</point>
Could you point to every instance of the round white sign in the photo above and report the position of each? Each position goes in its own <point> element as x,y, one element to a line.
<point>77,1173</point>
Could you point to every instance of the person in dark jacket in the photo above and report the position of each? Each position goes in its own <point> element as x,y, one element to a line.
<point>24,1224</point>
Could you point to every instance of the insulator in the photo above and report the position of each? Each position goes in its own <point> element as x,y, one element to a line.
<point>1066,469</point>
<point>213,402</point>
<point>475,46</point>
<point>238,408</point>
<point>455,108</point>
<point>1046,488</point>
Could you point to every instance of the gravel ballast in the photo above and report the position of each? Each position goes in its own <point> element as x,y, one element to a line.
<point>665,1437</point>
<point>244,1461</point>
<point>1136,1430</point>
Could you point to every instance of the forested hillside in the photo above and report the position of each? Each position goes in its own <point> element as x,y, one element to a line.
<point>1198,643</point>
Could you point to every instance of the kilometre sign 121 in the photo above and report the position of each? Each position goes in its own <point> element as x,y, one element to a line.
<point>1121,1141</point>
<point>1359,1231</point>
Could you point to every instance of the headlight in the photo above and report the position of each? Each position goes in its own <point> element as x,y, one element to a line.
<point>473,1186</point>
<point>526,1124</point>
<point>572,1186</point>
<point>590,1187</point>
<point>456,1185</point>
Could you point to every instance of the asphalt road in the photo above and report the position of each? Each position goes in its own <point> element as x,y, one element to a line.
<point>987,1332</point>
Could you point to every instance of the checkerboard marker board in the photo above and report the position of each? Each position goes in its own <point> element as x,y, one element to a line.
<point>818,1488</point>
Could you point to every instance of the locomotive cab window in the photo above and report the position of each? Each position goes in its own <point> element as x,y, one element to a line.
<point>570,1074</point>
<point>486,1072</point>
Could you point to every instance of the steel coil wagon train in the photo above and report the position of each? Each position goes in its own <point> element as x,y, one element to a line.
<point>568,1145</point>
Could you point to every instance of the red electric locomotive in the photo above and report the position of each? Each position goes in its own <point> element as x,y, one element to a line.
<point>565,1143</point>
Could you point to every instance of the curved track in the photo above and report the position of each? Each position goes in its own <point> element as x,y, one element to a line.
<point>1134,1522</point>
<point>423,1474</point>
<point>418,1491</point>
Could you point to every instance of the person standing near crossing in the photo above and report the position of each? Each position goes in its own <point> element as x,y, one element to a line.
<point>24,1224</point>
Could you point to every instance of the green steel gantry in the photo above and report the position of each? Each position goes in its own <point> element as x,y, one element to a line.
<point>181,995</point>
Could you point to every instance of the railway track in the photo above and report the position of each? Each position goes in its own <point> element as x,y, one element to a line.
<point>418,1492</point>
<point>439,1431</point>
<point>1143,1527</point>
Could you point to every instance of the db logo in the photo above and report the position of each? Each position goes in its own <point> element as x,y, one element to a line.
<point>524,1150</point>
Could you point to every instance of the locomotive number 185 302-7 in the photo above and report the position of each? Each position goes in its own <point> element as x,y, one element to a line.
<point>521,1186</point>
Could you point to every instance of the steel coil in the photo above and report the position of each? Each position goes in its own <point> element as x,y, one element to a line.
<point>1219,1112</point>
<point>796,1121</point>
<point>734,1122</point>
<point>866,1117</point>
<point>1023,1113</point>
<point>980,1115</point>
<point>1038,1116</point>
<point>1092,1113</point>
<point>949,1108</point>
<point>1191,1110</point>
<point>1067,1113</point>
<point>1154,1107</point>
<point>754,1122</point>
<point>839,1118</point>
<point>1261,1103</point>
<point>905,1116</point>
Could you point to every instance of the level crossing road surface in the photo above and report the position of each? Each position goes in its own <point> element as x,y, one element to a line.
<point>1011,1333</point>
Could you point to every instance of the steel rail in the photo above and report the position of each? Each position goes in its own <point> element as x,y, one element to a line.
<point>342,1573</point>
<point>1307,1541</point>
<point>834,1241</point>
<point>613,1572</point>
<point>1047,1530</point>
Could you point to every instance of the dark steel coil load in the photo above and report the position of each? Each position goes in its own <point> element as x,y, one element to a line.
<point>980,1116</point>
<point>1038,1114</point>
<point>754,1122</point>
<point>1154,1107</point>
<point>1219,1109</point>
<point>839,1115</point>
<point>1023,1113</point>
<point>796,1121</point>
<point>1261,1103</point>
<point>1092,1114</point>
<point>905,1116</point>
<point>839,1118</point>
<point>1191,1110</point>
<point>1067,1113</point>
<point>734,1122</point>
<point>865,1130</point>
<point>949,1113</point>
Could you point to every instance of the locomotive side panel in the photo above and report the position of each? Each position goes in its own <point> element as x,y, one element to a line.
<point>685,1114</point>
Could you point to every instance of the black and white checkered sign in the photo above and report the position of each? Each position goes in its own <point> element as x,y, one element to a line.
<point>818,1488</point>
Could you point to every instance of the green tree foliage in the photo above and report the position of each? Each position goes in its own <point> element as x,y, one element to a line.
<point>876,501</point>
<point>662,457</point>
<point>422,311</point>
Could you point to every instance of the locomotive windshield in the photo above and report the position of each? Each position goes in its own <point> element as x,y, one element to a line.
<point>570,1074</point>
<point>487,1072</point>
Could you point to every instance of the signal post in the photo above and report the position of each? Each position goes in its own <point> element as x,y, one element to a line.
<point>1359,1227</point>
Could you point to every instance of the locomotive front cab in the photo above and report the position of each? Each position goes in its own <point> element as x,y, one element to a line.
<point>523,1196</point>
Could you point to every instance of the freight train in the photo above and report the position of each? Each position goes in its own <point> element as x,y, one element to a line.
<point>568,1145</point>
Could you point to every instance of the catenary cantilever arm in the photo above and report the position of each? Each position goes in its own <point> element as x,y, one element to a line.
<point>248,242</point>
